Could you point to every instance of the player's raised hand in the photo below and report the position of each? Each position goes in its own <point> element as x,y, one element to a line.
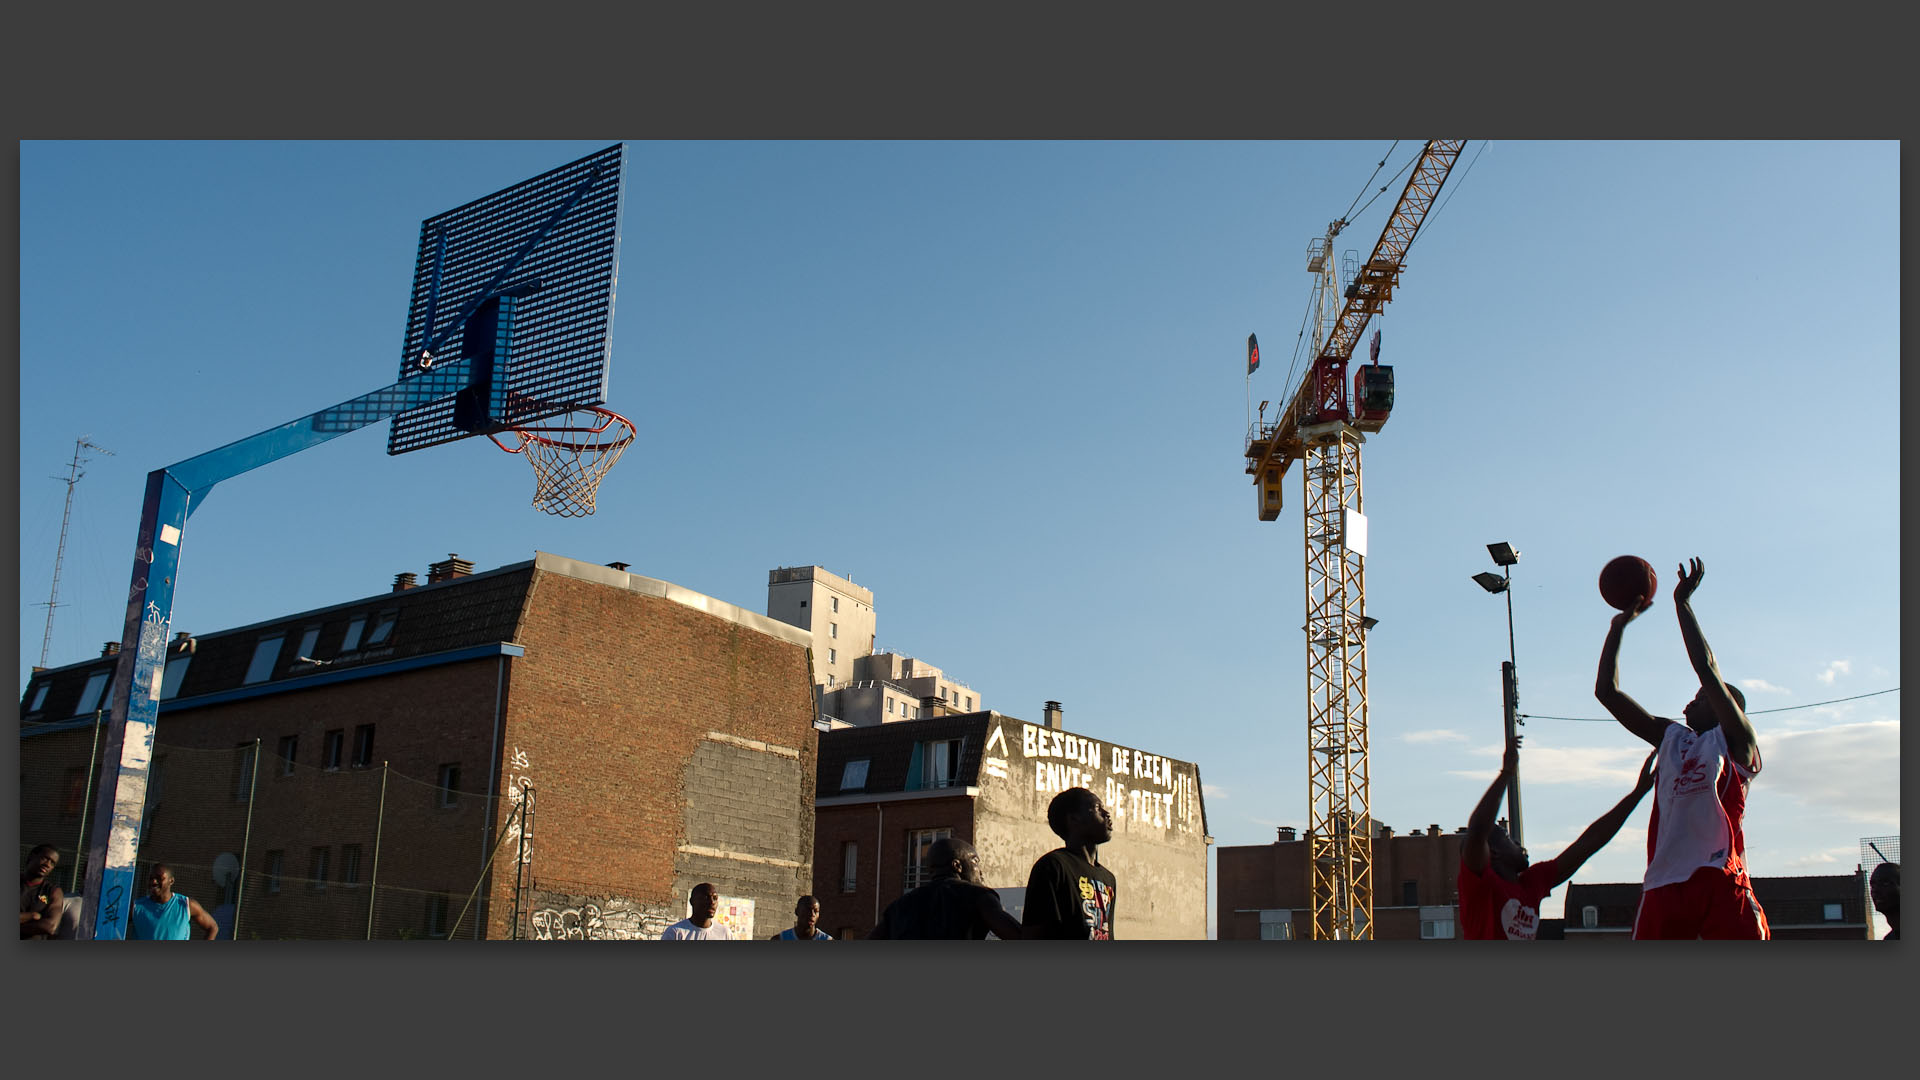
<point>1645,783</point>
<point>1689,580</point>
<point>1640,606</point>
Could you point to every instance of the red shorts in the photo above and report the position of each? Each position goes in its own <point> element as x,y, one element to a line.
<point>1712,904</point>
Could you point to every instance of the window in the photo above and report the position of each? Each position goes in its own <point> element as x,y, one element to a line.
<point>450,785</point>
<point>919,842</point>
<point>836,603</point>
<point>170,682</point>
<point>243,771</point>
<point>1436,923</point>
<point>40,695</point>
<point>1276,925</point>
<point>1409,894</point>
<point>264,654</point>
<point>1832,912</point>
<point>363,746</point>
<point>90,697</point>
<point>350,864</point>
<point>829,678</point>
<point>307,641</point>
<point>940,763</point>
<point>833,656</point>
<point>331,750</point>
<point>854,776</point>
<point>849,866</point>
<point>289,750</point>
<point>969,702</point>
<point>833,629</point>
<point>276,866</point>
<point>317,869</point>
<point>382,627</point>
<point>436,916</point>
<point>1590,917</point>
<point>352,640</point>
<point>889,706</point>
<point>76,800</point>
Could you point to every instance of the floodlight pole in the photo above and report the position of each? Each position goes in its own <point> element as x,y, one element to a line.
<point>1510,698</point>
<point>174,493</point>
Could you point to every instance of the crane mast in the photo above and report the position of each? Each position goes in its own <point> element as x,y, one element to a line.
<point>1324,429</point>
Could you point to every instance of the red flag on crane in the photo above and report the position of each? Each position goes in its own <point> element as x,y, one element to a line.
<point>1253,353</point>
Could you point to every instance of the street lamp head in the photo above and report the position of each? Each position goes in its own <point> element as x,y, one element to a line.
<point>1368,622</point>
<point>1503,554</point>
<point>1491,581</point>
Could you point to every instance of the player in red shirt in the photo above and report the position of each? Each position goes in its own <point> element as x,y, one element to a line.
<point>1500,892</point>
<point>1696,884</point>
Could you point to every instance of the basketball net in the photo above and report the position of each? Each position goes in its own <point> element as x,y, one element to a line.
<point>570,454</point>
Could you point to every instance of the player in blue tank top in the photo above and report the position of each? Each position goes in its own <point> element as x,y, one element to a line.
<point>165,915</point>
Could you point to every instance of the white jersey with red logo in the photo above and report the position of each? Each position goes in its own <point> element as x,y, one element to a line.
<point>1700,798</point>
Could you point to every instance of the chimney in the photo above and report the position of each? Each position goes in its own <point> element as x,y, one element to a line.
<point>1050,716</point>
<point>1286,835</point>
<point>1383,832</point>
<point>620,566</point>
<point>403,582</point>
<point>1433,830</point>
<point>452,567</point>
<point>111,648</point>
<point>183,644</point>
<point>933,705</point>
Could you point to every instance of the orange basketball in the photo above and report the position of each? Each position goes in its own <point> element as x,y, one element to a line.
<point>1625,578</point>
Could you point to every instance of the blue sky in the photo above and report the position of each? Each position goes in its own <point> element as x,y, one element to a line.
<point>1003,385</point>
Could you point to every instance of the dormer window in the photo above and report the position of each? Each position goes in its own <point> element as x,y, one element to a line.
<point>354,629</point>
<point>382,628</point>
<point>264,654</point>
<point>90,697</point>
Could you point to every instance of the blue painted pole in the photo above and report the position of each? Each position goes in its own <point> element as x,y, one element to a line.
<point>127,754</point>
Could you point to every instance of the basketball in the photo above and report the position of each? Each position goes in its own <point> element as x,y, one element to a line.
<point>1625,578</point>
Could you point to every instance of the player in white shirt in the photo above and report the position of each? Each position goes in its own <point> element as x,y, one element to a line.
<point>704,903</point>
<point>1696,885</point>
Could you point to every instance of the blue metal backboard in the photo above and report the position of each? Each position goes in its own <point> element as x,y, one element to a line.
<point>552,244</point>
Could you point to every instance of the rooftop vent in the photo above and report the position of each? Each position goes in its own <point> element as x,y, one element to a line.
<point>403,582</point>
<point>619,566</point>
<point>1286,835</point>
<point>1050,716</point>
<point>110,648</point>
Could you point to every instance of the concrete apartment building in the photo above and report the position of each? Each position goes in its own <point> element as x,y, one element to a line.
<point>886,792</point>
<point>375,748</point>
<point>1265,890</point>
<point>858,686</point>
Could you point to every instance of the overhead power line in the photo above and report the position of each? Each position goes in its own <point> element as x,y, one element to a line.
<point>1750,712</point>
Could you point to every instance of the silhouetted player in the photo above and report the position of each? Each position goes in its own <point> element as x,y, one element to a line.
<point>1884,886</point>
<point>1069,894</point>
<point>1500,892</point>
<point>1696,884</point>
<point>953,905</point>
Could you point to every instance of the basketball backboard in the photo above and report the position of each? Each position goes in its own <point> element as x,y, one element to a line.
<point>552,245</point>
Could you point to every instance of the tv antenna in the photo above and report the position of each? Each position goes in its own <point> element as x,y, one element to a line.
<point>73,477</point>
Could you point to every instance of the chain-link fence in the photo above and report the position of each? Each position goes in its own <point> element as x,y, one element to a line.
<point>1875,850</point>
<point>274,846</point>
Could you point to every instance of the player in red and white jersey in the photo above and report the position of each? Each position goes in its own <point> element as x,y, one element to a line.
<point>1696,884</point>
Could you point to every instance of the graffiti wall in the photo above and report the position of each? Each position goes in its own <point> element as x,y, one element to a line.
<point>619,919</point>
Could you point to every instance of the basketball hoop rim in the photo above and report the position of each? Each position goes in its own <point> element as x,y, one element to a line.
<point>536,433</point>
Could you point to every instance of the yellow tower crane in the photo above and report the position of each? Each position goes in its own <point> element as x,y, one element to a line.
<point>1325,430</point>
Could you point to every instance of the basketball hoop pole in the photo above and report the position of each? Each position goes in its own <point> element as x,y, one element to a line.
<point>173,494</point>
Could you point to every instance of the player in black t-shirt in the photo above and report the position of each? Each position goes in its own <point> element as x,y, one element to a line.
<point>953,905</point>
<point>1069,894</point>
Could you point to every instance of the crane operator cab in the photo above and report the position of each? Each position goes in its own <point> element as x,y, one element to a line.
<point>1372,396</point>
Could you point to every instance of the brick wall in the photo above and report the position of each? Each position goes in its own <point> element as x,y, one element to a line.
<point>667,746</point>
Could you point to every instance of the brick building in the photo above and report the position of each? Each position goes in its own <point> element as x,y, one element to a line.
<point>376,748</point>
<point>1830,907</point>
<point>1264,891</point>
<point>886,792</point>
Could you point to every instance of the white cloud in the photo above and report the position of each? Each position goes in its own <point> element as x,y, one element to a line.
<point>1213,791</point>
<point>1839,860</point>
<point>1435,735</point>
<point>1613,766</point>
<point>1851,770</point>
<point>1762,686</point>
<point>1838,667</point>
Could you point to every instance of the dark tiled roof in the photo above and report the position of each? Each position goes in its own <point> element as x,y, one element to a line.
<point>889,750</point>
<point>477,609</point>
